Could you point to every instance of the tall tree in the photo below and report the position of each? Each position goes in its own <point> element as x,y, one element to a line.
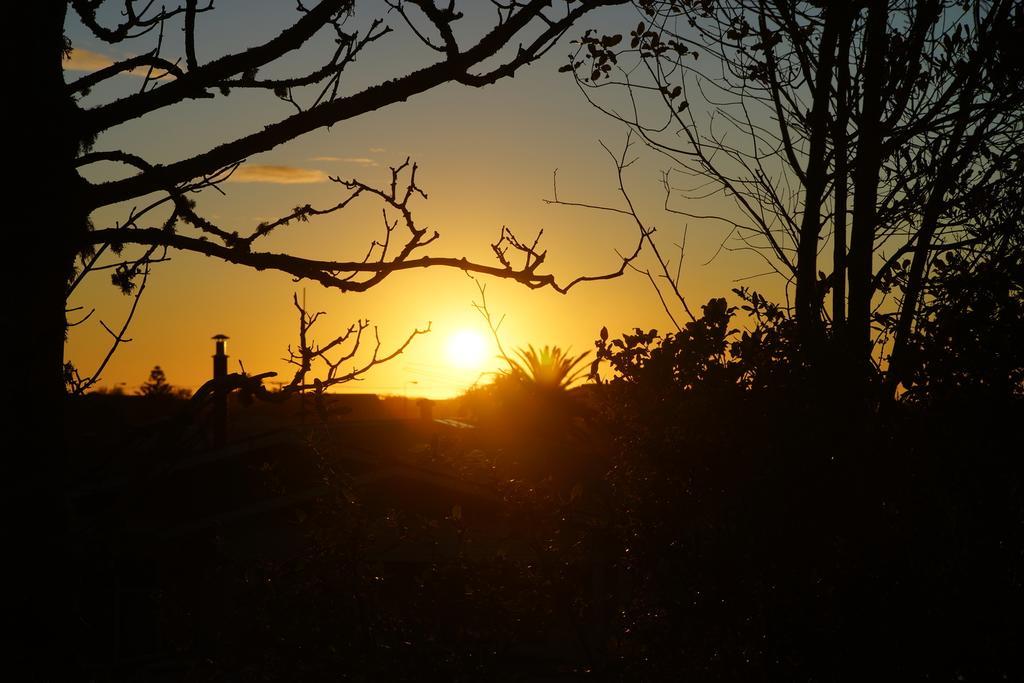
<point>890,128</point>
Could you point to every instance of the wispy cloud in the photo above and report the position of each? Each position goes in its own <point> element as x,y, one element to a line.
<point>376,150</point>
<point>86,60</point>
<point>89,61</point>
<point>279,175</point>
<point>359,161</point>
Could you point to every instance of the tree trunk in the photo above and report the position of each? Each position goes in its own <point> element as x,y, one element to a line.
<point>865,198</point>
<point>44,232</point>
<point>808,313</point>
<point>841,183</point>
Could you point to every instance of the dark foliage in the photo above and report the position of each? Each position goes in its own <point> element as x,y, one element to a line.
<point>968,347</point>
<point>764,535</point>
<point>703,511</point>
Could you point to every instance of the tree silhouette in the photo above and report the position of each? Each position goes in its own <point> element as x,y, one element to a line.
<point>870,154</point>
<point>164,215</point>
<point>879,136</point>
<point>157,384</point>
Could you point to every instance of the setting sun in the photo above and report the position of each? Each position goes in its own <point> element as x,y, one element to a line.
<point>466,349</point>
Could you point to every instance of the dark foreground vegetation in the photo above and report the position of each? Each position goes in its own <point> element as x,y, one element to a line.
<point>718,508</point>
<point>834,494</point>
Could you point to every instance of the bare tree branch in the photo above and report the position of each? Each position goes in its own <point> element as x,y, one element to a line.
<point>324,114</point>
<point>342,275</point>
<point>308,353</point>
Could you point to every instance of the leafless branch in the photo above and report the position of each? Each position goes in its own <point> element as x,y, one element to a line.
<point>308,353</point>
<point>344,275</point>
<point>329,110</point>
<point>481,307</point>
<point>622,162</point>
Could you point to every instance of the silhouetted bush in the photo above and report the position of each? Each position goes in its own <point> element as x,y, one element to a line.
<point>970,345</point>
<point>764,529</point>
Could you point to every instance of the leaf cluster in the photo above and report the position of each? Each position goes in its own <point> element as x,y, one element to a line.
<point>706,353</point>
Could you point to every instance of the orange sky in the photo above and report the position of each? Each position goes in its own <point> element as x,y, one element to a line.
<point>486,159</point>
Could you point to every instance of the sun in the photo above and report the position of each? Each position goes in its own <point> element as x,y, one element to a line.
<point>466,349</point>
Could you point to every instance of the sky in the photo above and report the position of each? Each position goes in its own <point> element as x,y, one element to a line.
<point>486,159</point>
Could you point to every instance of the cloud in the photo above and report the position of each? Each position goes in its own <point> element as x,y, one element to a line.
<point>359,161</point>
<point>86,60</point>
<point>89,61</point>
<point>279,175</point>
<point>376,150</point>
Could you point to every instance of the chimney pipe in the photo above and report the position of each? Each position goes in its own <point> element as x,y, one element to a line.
<point>220,396</point>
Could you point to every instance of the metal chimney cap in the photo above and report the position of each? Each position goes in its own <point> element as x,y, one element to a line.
<point>220,336</point>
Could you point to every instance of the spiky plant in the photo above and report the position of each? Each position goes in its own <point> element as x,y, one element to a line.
<point>549,367</point>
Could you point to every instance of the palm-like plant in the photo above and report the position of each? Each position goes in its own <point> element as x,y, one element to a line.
<point>536,422</point>
<point>547,368</point>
